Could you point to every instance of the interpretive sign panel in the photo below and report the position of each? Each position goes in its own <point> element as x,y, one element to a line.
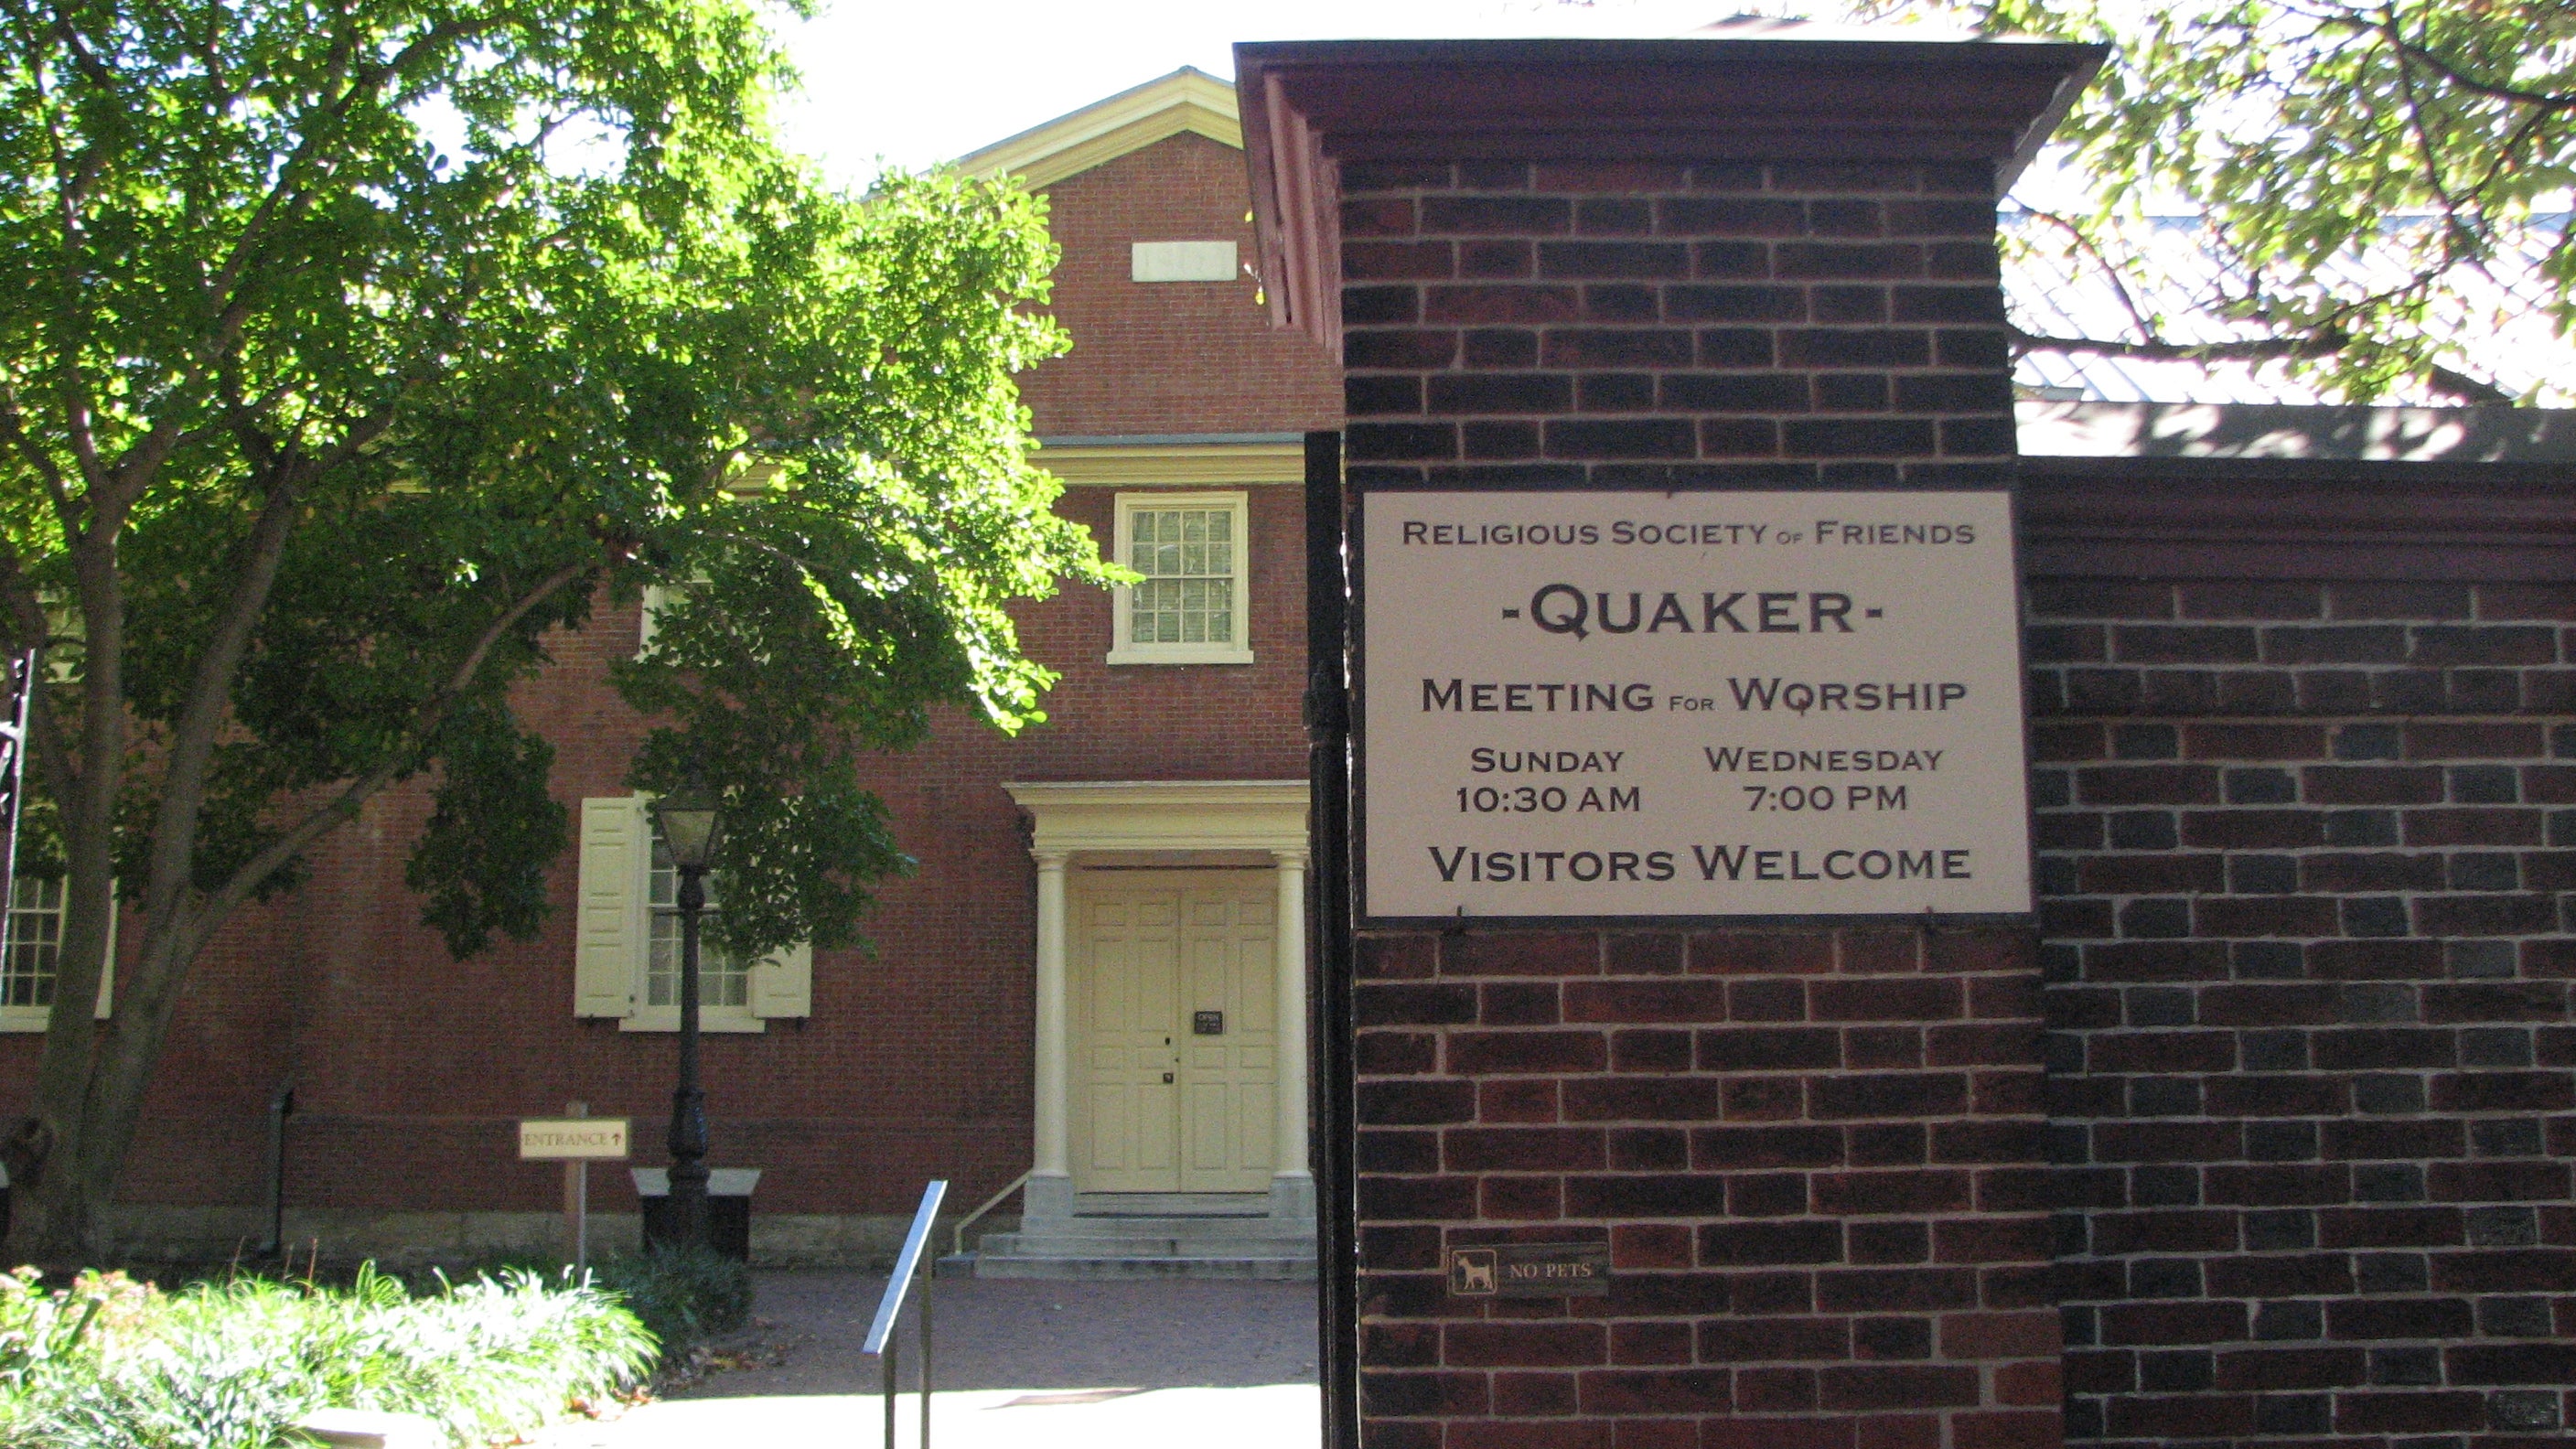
<point>1603,705</point>
<point>555,1139</point>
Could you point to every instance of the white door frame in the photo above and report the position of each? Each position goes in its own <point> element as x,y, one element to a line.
<point>1215,821</point>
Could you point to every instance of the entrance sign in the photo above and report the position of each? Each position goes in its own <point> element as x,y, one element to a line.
<point>576,1140</point>
<point>570,1138</point>
<point>1586,705</point>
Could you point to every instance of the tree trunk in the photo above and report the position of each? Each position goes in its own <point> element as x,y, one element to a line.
<point>85,1127</point>
<point>64,1223</point>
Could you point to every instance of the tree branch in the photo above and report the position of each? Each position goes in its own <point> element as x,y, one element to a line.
<point>342,807</point>
<point>192,739</point>
<point>30,626</point>
<point>2444,67</point>
<point>2250,349</point>
<point>13,423</point>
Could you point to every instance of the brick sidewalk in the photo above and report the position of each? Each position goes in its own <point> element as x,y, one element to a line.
<point>1018,1363</point>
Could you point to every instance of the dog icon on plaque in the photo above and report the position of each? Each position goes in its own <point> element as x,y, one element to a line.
<point>1472,1272</point>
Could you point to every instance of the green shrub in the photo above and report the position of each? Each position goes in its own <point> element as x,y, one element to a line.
<point>229,1365</point>
<point>685,1296</point>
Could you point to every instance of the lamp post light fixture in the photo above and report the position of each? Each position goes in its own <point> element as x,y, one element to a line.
<point>691,825</point>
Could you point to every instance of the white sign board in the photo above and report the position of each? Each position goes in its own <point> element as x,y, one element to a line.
<point>1608,705</point>
<point>556,1139</point>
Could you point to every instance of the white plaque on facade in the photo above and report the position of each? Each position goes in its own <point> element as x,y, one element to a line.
<point>1606,705</point>
<point>568,1138</point>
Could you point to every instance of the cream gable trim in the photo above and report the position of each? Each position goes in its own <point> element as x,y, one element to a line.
<point>1153,465</point>
<point>1165,815</point>
<point>1186,100</point>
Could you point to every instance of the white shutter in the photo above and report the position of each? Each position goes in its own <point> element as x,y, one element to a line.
<point>107,972</point>
<point>782,983</point>
<point>648,621</point>
<point>608,927</point>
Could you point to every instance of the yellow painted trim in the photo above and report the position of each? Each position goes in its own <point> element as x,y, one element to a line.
<point>1166,815</point>
<point>1198,465</point>
<point>1186,100</point>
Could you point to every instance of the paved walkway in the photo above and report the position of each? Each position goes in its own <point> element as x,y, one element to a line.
<point>1131,1365</point>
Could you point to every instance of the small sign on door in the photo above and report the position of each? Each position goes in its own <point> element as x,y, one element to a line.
<point>1531,1270</point>
<point>1207,1023</point>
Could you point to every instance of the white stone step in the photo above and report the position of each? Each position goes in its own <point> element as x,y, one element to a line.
<point>1272,1268</point>
<point>1072,1245</point>
<point>1204,1229</point>
<point>1172,1204</point>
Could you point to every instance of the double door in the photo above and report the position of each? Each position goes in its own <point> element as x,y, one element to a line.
<point>1176,1041</point>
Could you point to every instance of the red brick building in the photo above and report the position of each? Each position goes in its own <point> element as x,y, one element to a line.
<point>850,1079</point>
<point>2261,1132</point>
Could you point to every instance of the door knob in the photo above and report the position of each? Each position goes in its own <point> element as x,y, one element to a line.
<point>1167,1079</point>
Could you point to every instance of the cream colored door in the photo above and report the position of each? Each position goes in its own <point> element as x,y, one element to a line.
<point>1127,986</point>
<point>1176,1044</point>
<point>1230,1065</point>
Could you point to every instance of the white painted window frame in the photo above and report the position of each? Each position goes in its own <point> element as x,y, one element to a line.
<point>37,1018</point>
<point>1124,649</point>
<point>613,937</point>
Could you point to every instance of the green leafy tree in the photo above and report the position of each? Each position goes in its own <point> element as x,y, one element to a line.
<point>2384,185</point>
<point>349,349</point>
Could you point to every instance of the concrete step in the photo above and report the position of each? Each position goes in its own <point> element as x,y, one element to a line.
<point>1267,1267</point>
<point>1206,1229</point>
<point>1084,1241</point>
<point>1172,1204</point>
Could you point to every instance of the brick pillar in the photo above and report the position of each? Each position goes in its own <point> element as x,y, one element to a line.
<point>1815,1153</point>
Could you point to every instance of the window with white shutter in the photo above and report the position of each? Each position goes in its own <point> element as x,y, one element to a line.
<point>626,950</point>
<point>1193,604</point>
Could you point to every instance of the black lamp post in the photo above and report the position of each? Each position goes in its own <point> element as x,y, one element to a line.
<point>690,825</point>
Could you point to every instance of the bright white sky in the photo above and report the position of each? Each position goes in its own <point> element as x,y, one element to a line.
<point>921,81</point>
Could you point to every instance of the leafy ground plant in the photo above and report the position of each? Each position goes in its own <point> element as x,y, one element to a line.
<point>229,1365</point>
<point>683,1296</point>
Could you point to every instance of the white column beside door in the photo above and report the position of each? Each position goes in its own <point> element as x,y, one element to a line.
<point>1050,1189</point>
<point>1292,1186</point>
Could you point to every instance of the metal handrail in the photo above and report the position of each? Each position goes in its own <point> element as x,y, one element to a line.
<point>881,1340</point>
<point>957,1236</point>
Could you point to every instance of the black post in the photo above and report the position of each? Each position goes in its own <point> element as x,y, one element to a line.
<point>886,1361</point>
<point>281,1106</point>
<point>688,1140</point>
<point>1328,767</point>
<point>928,1270</point>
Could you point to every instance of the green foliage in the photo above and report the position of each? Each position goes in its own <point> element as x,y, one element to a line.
<point>503,306</point>
<point>39,1330</point>
<point>229,1364</point>
<point>683,1296</point>
<point>2434,135</point>
<point>352,350</point>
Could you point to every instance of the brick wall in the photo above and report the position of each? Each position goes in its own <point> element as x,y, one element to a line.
<point>1650,325</point>
<point>1167,357</point>
<point>1814,1154</point>
<point>1811,1153</point>
<point>2305,858</point>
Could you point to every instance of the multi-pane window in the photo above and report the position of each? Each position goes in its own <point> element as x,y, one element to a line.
<point>35,943</point>
<point>626,937</point>
<point>1189,606</point>
<point>723,981</point>
<point>1187,558</point>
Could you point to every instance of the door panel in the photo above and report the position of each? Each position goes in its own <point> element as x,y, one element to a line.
<point>1231,1075</point>
<point>1149,951</point>
<point>1126,963</point>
